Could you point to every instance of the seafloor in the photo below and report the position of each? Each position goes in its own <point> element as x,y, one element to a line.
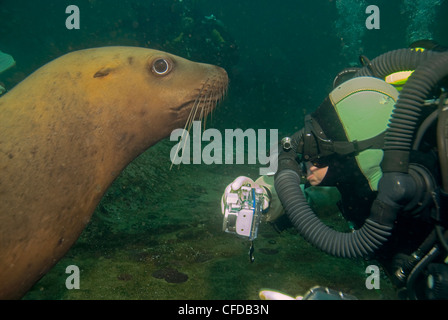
<point>157,234</point>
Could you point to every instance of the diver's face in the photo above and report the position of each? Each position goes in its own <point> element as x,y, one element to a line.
<point>314,174</point>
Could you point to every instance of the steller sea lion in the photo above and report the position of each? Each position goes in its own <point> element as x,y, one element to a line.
<point>69,129</point>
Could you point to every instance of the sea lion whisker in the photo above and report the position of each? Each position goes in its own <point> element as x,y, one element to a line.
<point>204,101</point>
<point>210,103</point>
<point>209,95</point>
<point>196,106</point>
<point>189,123</point>
<point>215,97</point>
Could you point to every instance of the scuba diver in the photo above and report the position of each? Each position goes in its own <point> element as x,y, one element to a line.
<point>380,138</point>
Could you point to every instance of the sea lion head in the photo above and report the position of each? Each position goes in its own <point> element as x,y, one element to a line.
<point>156,90</point>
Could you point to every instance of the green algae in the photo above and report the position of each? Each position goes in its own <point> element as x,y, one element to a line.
<point>161,219</point>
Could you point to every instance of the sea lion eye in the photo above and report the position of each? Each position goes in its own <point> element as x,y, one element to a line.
<point>161,66</point>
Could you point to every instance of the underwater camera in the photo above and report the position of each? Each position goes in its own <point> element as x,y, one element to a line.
<point>243,210</point>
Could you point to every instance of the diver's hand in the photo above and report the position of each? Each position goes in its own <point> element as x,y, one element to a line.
<point>235,187</point>
<point>276,295</point>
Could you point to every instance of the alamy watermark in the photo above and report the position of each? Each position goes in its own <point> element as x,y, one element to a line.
<point>210,147</point>
<point>373,280</point>
<point>73,280</point>
<point>73,20</point>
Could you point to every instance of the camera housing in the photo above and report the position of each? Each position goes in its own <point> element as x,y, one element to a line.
<point>243,210</point>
